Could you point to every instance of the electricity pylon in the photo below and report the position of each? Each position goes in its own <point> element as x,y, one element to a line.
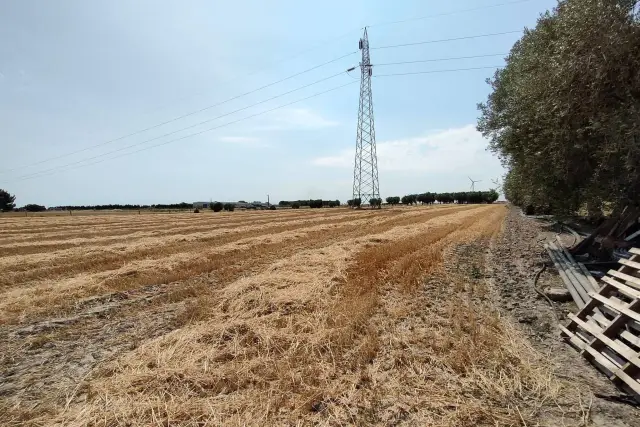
<point>365,171</point>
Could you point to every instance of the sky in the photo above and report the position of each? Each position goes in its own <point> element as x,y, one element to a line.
<point>80,80</point>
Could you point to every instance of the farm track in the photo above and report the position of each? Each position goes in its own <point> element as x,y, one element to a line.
<point>307,319</point>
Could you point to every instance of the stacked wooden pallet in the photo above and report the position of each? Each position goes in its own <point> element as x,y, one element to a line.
<point>575,276</point>
<point>607,329</point>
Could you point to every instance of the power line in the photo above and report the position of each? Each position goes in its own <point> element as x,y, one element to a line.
<point>448,40</point>
<point>41,174</point>
<point>185,128</point>
<point>449,13</point>
<point>440,59</point>
<point>438,71</point>
<point>180,117</point>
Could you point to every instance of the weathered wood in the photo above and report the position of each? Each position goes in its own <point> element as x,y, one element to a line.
<point>635,250</point>
<point>632,236</point>
<point>624,310</point>
<point>619,347</point>
<point>576,293</point>
<point>631,281</point>
<point>592,280</point>
<point>633,339</point>
<point>581,273</point>
<point>627,262</point>
<point>622,288</point>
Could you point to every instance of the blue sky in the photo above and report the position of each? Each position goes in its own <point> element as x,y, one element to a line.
<point>75,74</point>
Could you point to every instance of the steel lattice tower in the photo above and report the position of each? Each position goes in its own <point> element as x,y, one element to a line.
<point>365,171</point>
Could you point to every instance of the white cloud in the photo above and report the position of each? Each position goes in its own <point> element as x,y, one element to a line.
<point>299,118</point>
<point>460,149</point>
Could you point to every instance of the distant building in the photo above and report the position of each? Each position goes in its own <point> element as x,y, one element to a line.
<point>201,205</point>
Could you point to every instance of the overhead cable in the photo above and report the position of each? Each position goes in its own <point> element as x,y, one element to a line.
<point>179,117</point>
<point>448,40</point>
<point>188,136</point>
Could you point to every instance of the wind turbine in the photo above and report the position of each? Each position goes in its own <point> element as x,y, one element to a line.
<point>473,183</point>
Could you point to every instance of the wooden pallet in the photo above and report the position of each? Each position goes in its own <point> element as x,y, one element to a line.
<point>606,330</point>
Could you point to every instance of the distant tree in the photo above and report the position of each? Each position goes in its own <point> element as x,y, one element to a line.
<point>350,202</point>
<point>332,204</point>
<point>337,202</point>
<point>229,207</point>
<point>357,202</point>
<point>375,202</point>
<point>6,201</point>
<point>490,196</point>
<point>272,207</point>
<point>393,200</point>
<point>295,205</point>
<point>34,208</point>
<point>241,201</point>
<point>196,210</point>
<point>409,199</point>
<point>217,206</point>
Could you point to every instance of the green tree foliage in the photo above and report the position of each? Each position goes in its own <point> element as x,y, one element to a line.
<point>350,202</point>
<point>463,197</point>
<point>332,204</point>
<point>315,204</point>
<point>229,207</point>
<point>217,206</point>
<point>357,202</point>
<point>393,200</point>
<point>564,114</point>
<point>7,201</point>
<point>34,208</point>
<point>295,205</point>
<point>183,205</point>
<point>375,202</point>
<point>272,207</point>
<point>409,199</point>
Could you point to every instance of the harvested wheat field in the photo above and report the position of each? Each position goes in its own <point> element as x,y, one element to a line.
<point>309,317</point>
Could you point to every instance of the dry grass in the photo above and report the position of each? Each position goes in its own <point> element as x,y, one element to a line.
<point>357,318</point>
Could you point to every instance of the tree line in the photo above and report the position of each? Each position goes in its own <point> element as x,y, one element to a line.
<point>564,113</point>
<point>461,197</point>
<point>315,204</point>
<point>183,205</point>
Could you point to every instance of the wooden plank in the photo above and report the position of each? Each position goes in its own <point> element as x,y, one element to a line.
<point>630,337</point>
<point>574,339</point>
<point>568,283</point>
<point>631,281</point>
<point>602,361</point>
<point>600,319</point>
<point>622,288</point>
<point>578,272</point>
<point>629,263</point>
<point>632,236</point>
<point>617,306</point>
<point>592,280</point>
<point>620,348</point>
<point>583,285</point>
<point>635,250</point>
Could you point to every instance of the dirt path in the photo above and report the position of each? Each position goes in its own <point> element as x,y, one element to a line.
<point>516,257</point>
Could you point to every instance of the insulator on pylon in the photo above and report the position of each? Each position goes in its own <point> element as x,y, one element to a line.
<point>369,70</point>
<point>360,44</point>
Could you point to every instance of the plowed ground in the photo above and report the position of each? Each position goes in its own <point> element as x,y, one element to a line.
<point>310,317</point>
